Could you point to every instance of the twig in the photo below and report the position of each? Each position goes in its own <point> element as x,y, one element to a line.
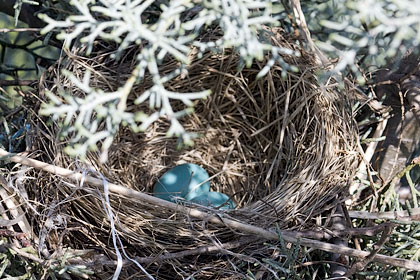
<point>7,30</point>
<point>198,251</point>
<point>414,162</point>
<point>366,165</point>
<point>215,219</point>
<point>360,265</point>
<point>374,104</point>
<point>367,156</point>
<point>400,138</point>
<point>347,232</point>
<point>301,22</point>
<point>414,215</point>
<point>414,191</point>
<point>350,225</point>
<point>316,262</point>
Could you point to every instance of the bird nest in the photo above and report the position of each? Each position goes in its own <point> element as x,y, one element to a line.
<point>282,147</point>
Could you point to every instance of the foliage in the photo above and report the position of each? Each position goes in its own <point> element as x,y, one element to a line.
<point>15,266</point>
<point>364,33</point>
<point>361,34</point>
<point>170,34</point>
<point>357,32</point>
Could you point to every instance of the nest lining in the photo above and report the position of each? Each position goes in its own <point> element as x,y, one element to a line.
<point>281,148</point>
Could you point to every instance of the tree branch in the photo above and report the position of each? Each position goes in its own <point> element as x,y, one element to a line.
<point>209,217</point>
<point>413,215</point>
<point>360,265</point>
<point>321,59</point>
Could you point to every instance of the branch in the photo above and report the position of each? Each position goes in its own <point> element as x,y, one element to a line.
<point>209,217</point>
<point>413,215</point>
<point>206,250</point>
<point>361,96</point>
<point>348,232</point>
<point>360,265</point>
<point>301,22</point>
<point>7,30</point>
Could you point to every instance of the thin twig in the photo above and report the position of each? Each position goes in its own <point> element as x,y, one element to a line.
<point>209,217</point>
<point>316,262</point>
<point>301,22</point>
<point>400,138</point>
<point>374,104</point>
<point>413,215</point>
<point>213,249</point>
<point>347,232</point>
<point>367,156</point>
<point>366,165</point>
<point>414,162</point>
<point>7,30</point>
<point>350,225</point>
<point>360,265</point>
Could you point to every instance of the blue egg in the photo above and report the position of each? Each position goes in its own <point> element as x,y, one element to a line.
<point>185,180</point>
<point>214,199</point>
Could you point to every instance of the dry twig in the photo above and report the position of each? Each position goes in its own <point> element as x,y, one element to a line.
<point>360,265</point>
<point>209,217</point>
<point>301,22</point>
<point>413,215</point>
<point>7,30</point>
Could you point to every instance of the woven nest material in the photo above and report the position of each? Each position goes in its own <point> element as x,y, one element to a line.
<point>281,147</point>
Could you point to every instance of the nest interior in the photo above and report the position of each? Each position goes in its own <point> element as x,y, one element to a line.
<point>282,147</point>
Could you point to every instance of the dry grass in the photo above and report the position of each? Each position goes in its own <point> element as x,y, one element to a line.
<point>281,148</point>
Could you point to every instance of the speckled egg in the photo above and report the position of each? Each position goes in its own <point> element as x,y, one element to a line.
<point>185,180</point>
<point>214,199</point>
